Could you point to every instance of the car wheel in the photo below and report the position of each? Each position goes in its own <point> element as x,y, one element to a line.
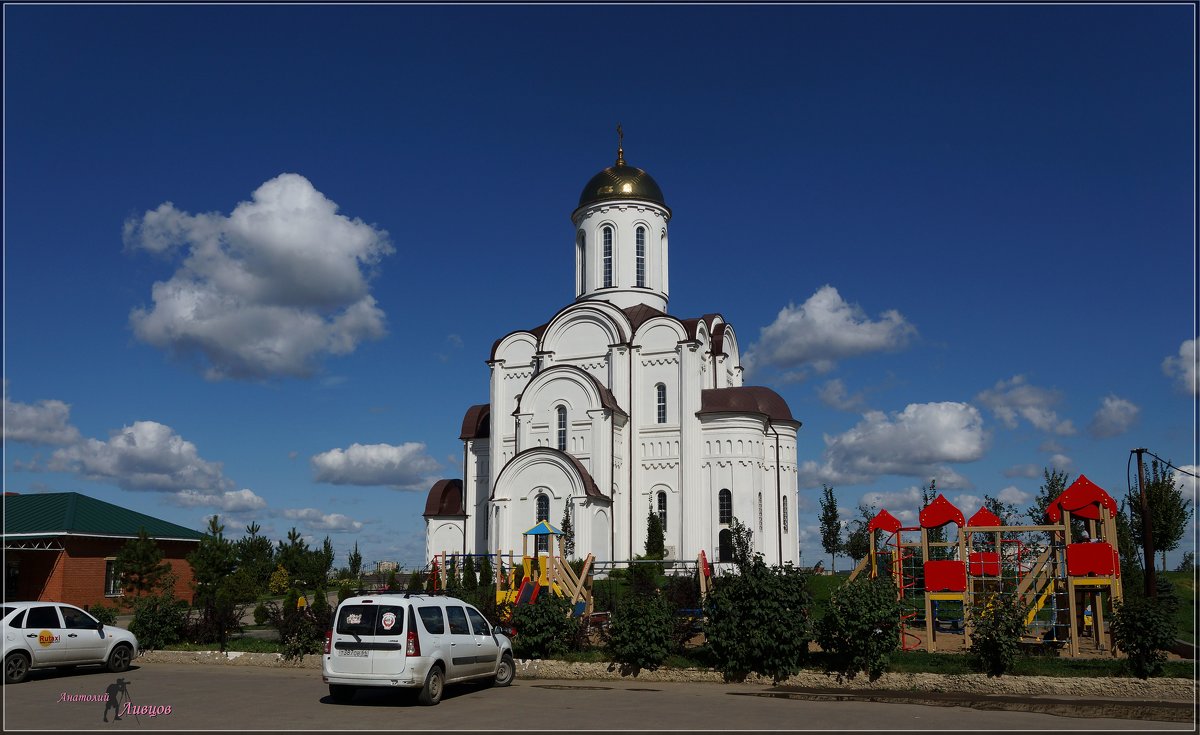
<point>120,659</point>
<point>505,672</point>
<point>16,668</point>
<point>431,693</point>
<point>341,693</point>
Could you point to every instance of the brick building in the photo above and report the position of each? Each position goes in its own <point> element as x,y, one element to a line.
<point>61,547</point>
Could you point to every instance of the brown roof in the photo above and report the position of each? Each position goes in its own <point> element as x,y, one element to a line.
<point>746,399</point>
<point>445,499</point>
<point>477,422</point>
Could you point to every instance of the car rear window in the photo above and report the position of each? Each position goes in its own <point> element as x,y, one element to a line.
<point>4,611</point>
<point>458,621</point>
<point>431,618</point>
<point>391,620</point>
<point>357,619</point>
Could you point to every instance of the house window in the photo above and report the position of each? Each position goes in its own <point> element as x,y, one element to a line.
<point>562,428</point>
<point>112,582</point>
<point>662,509</point>
<point>785,530</point>
<point>660,391</point>
<point>760,511</point>
<point>641,257</point>
<point>725,545</point>
<point>608,257</point>
<point>543,514</point>
<point>725,507</point>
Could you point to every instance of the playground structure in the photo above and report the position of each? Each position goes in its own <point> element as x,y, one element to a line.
<point>1062,582</point>
<point>553,573</point>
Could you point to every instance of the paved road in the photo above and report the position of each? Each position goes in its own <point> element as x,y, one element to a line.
<point>205,697</point>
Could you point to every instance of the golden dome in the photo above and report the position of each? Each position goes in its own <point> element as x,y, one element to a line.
<point>622,181</point>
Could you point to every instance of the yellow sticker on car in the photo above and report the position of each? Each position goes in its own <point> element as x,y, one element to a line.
<point>46,638</point>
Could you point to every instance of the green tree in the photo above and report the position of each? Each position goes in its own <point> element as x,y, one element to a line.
<point>355,562</point>
<point>222,590</point>
<point>568,531</point>
<point>831,527</point>
<point>293,556</point>
<point>656,546</point>
<point>470,582</point>
<point>140,565</point>
<point>858,541</point>
<point>1006,512</point>
<point>1169,509</point>
<point>256,555</point>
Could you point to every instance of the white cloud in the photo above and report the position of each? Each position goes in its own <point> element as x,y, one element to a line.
<point>915,442</point>
<point>144,456</point>
<point>1061,462</point>
<point>825,329</point>
<point>967,503</point>
<point>834,394</point>
<point>1183,368</point>
<point>318,521</point>
<point>1023,470</point>
<point>406,467</point>
<point>45,422</point>
<point>266,291</point>
<point>1114,417</point>
<point>1015,495</point>
<point>230,501</point>
<point>1013,399</point>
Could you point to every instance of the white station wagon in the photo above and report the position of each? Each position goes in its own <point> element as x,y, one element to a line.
<point>41,635</point>
<point>411,640</point>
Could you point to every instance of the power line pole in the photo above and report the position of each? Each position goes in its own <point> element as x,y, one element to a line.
<point>1147,532</point>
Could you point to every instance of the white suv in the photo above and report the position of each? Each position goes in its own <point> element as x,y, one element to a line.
<point>41,635</point>
<point>412,640</point>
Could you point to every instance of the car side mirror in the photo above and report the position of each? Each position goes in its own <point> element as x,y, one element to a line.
<point>99,626</point>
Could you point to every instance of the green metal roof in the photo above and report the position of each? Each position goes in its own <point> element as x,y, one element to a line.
<point>51,514</point>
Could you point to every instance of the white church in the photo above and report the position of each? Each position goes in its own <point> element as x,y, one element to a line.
<point>614,408</point>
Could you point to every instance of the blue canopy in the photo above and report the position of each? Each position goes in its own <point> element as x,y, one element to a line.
<point>543,528</point>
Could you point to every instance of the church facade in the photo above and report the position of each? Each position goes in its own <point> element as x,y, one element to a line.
<point>614,409</point>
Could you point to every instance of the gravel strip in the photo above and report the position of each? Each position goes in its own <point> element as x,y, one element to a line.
<point>1165,690</point>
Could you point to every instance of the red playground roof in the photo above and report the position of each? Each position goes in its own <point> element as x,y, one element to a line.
<point>1083,499</point>
<point>985,518</point>
<point>885,521</point>
<point>939,513</point>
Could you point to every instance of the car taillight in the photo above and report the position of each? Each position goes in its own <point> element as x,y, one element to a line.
<point>328,641</point>
<point>414,645</point>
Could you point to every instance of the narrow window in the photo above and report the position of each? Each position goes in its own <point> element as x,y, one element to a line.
<point>725,545</point>
<point>543,514</point>
<point>641,257</point>
<point>725,507</point>
<point>662,509</point>
<point>661,396</point>
<point>760,511</point>
<point>785,530</point>
<point>562,428</point>
<point>608,257</point>
<point>582,262</point>
<point>112,581</point>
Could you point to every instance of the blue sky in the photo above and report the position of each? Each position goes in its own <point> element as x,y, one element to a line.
<point>958,240</point>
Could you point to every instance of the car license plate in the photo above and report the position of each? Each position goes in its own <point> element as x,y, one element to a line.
<point>356,653</point>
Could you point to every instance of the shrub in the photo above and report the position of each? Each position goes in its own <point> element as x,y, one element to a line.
<point>544,628</point>
<point>1145,629</point>
<point>301,630</point>
<point>344,591</point>
<point>280,580</point>
<point>758,621</point>
<point>642,633</point>
<point>104,613</point>
<point>996,634</point>
<point>861,628</point>
<point>158,620</point>
<point>260,614</point>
